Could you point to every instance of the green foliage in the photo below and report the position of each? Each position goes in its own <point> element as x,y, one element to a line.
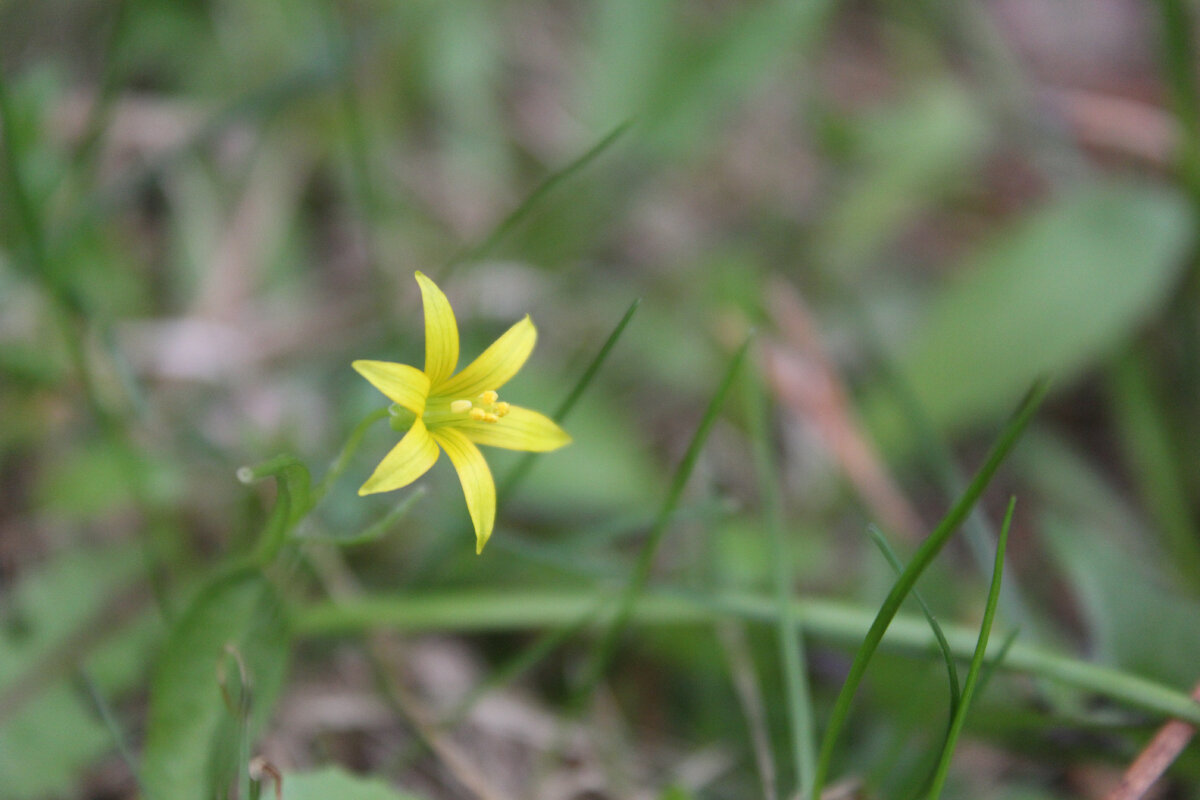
<point>1050,296</point>
<point>208,210</point>
<point>48,614</point>
<point>333,782</point>
<point>215,683</point>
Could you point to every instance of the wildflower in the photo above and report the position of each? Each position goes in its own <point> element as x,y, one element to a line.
<point>457,411</point>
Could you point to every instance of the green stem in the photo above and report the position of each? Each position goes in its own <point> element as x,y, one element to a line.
<point>645,562</point>
<point>920,561</point>
<point>522,468</point>
<point>353,441</point>
<point>842,623</point>
<point>791,642</point>
<point>977,659</point>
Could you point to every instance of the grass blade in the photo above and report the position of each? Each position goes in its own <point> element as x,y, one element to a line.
<point>1179,57</point>
<point>977,659</point>
<point>921,559</point>
<point>943,645</point>
<point>348,450</point>
<point>535,198</point>
<point>523,466</point>
<point>792,658</point>
<point>645,563</point>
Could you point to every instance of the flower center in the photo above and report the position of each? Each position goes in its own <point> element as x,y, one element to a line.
<point>487,407</point>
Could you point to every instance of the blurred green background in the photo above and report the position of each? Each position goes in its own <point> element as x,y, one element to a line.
<point>209,209</point>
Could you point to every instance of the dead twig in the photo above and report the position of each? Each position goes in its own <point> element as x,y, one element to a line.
<point>1155,758</point>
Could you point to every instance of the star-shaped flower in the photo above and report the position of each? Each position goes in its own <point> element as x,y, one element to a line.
<point>458,411</point>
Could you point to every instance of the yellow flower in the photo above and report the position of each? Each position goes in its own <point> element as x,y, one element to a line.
<point>458,411</point>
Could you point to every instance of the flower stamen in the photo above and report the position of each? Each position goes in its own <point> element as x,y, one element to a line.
<point>487,407</point>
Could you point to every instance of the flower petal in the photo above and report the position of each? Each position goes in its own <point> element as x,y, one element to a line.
<point>441,332</point>
<point>519,429</point>
<point>406,462</point>
<point>495,365</point>
<point>403,384</point>
<point>476,478</point>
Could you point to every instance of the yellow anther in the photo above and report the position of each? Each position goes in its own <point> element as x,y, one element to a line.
<point>501,408</point>
<point>490,418</point>
<point>489,397</point>
<point>478,414</point>
<point>460,406</point>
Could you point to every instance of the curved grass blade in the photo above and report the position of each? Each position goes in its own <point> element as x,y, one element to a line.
<point>921,560</point>
<point>947,654</point>
<point>977,659</point>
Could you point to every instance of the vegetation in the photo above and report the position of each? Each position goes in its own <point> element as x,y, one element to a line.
<point>874,330</point>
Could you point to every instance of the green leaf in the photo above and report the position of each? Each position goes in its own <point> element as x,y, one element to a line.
<point>1137,622</point>
<point>190,732</point>
<point>50,734</point>
<point>912,153</point>
<point>334,782</point>
<point>1048,297</point>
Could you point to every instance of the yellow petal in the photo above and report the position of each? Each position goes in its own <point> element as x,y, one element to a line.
<point>476,479</point>
<point>441,332</point>
<point>403,384</point>
<point>495,365</point>
<point>406,462</point>
<point>519,429</point>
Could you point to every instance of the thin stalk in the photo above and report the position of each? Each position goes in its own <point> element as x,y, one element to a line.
<point>894,561</point>
<point>523,466</point>
<point>348,450</point>
<point>839,623</point>
<point>921,560</point>
<point>533,200</point>
<point>603,653</point>
<point>977,659</point>
<point>792,659</point>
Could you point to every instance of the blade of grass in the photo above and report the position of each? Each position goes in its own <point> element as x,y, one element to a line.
<point>100,113</point>
<point>376,530</point>
<point>1142,425</point>
<point>947,655</point>
<point>921,559</point>
<point>936,454</point>
<point>792,659</point>
<point>842,623</point>
<point>104,713</point>
<point>604,650</point>
<point>533,200</point>
<point>523,466</point>
<point>522,662</point>
<point>977,659</point>
<point>1179,57</point>
<point>951,671</point>
<point>348,450</point>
